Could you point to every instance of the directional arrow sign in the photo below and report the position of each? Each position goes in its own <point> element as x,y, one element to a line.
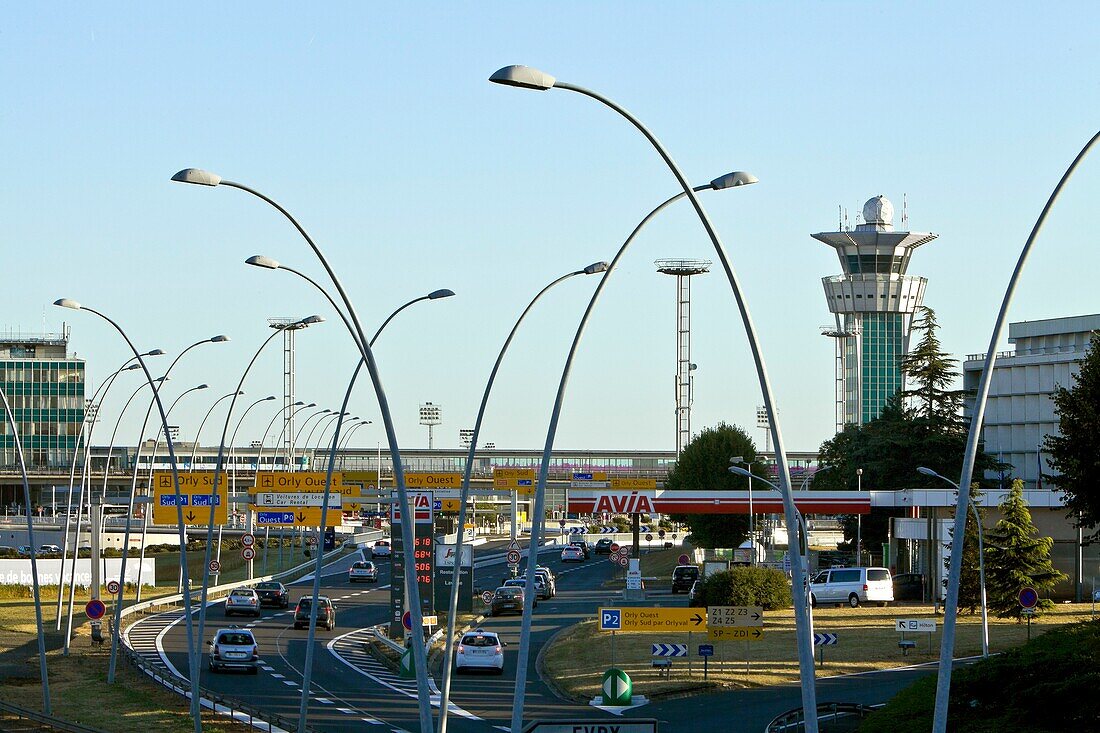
<point>592,725</point>
<point>296,516</point>
<point>268,519</point>
<point>825,639</point>
<point>669,650</point>
<point>652,619</point>
<point>195,491</point>
<point>735,616</point>
<point>617,688</point>
<point>734,633</point>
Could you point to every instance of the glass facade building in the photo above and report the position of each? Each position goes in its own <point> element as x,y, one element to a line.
<point>872,303</point>
<point>45,388</point>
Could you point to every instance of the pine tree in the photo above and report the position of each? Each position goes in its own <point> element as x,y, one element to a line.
<point>970,587</point>
<point>1075,452</point>
<point>1016,557</point>
<point>930,371</point>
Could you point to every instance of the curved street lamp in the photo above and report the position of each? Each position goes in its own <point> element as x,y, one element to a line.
<point>194,668</point>
<point>219,468</point>
<point>981,556</point>
<point>263,440</point>
<point>951,604</point>
<point>526,77</point>
<point>42,669</point>
<point>452,604</point>
<point>84,424</point>
<point>286,424</point>
<point>355,329</point>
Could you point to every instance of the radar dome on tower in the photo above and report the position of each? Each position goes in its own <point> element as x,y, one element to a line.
<point>878,210</point>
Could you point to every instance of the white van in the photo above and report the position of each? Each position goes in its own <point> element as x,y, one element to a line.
<point>852,586</point>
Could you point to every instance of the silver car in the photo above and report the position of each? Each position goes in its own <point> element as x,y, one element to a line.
<point>242,600</point>
<point>234,649</point>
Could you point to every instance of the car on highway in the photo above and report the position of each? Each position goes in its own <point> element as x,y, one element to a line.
<point>49,550</point>
<point>24,550</point>
<point>506,598</point>
<point>242,600</point>
<point>585,545</point>
<point>363,570</point>
<point>326,612</point>
<point>572,553</point>
<point>234,649</point>
<point>542,591</point>
<point>852,586</point>
<point>273,593</point>
<point>603,546</point>
<point>480,649</point>
<point>547,576</point>
<point>683,577</point>
<point>381,548</point>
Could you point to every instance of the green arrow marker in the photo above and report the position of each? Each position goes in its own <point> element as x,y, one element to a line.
<point>407,670</point>
<point>617,688</point>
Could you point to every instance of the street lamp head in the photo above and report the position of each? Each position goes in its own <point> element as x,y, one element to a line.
<point>299,402</point>
<point>219,339</point>
<point>154,352</point>
<point>269,398</point>
<point>165,378</point>
<point>443,293</point>
<point>132,367</point>
<point>197,176</point>
<point>859,472</point>
<point>263,261</point>
<point>310,320</point>
<point>736,178</point>
<point>312,404</point>
<point>737,459</point>
<point>926,471</point>
<point>594,268</point>
<point>203,386</point>
<point>241,392</point>
<point>738,470</point>
<point>67,303</point>
<point>523,76</point>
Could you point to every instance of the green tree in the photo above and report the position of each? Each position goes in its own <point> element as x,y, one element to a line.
<point>970,586</point>
<point>704,465</point>
<point>1016,557</point>
<point>1075,452</point>
<point>930,371</point>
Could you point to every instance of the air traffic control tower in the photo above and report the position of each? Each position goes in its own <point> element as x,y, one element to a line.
<point>873,304</point>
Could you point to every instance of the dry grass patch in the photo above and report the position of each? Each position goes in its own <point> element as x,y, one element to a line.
<point>576,660</point>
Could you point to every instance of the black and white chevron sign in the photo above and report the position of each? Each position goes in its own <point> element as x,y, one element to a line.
<point>670,650</point>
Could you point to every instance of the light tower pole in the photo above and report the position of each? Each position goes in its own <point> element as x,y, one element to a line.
<point>288,326</point>
<point>683,270</point>
<point>430,415</point>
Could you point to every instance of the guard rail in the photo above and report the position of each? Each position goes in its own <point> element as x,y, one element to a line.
<point>794,721</point>
<point>47,720</point>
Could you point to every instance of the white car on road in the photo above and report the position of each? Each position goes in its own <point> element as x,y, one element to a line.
<point>480,649</point>
<point>381,549</point>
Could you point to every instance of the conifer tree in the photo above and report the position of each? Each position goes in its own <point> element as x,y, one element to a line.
<point>970,587</point>
<point>1016,557</point>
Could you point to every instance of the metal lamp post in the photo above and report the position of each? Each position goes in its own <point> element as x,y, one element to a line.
<point>859,521</point>
<point>351,319</point>
<point>286,425</point>
<point>947,642</point>
<point>752,515</point>
<point>452,607</point>
<point>193,666</point>
<point>274,449</point>
<point>219,468</point>
<point>528,78</point>
<point>981,556</point>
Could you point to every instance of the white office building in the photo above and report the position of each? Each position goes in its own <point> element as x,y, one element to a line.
<point>1020,411</point>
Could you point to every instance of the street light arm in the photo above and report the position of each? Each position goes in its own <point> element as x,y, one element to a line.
<point>947,645</point>
<point>453,602</point>
<point>195,446</point>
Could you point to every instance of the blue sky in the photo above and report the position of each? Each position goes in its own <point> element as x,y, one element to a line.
<point>375,125</point>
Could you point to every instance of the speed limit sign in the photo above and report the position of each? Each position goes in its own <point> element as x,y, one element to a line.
<point>215,566</point>
<point>113,587</point>
<point>624,560</point>
<point>487,597</point>
<point>248,540</point>
<point>248,553</point>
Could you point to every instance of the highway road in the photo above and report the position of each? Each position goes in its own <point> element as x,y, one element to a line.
<point>351,691</point>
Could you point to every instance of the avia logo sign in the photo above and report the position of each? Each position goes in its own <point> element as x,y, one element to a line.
<point>421,501</point>
<point>624,502</point>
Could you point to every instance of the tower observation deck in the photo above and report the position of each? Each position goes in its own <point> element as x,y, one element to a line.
<point>873,303</point>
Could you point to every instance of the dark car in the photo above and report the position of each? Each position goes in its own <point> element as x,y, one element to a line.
<point>603,546</point>
<point>909,587</point>
<point>585,545</point>
<point>326,612</point>
<point>507,598</point>
<point>683,577</point>
<point>273,593</point>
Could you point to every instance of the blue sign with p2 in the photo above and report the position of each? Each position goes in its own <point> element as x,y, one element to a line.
<point>611,619</point>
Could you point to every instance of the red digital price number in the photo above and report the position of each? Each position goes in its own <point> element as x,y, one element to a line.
<point>425,579</point>
<point>422,554</point>
<point>422,542</point>
<point>423,567</point>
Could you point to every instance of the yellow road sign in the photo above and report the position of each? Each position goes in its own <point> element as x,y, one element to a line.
<point>520,480</point>
<point>634,483</point>
<point>301,481</point>
<point>309,516</point>
<point>734,633</point>
<point>652,619</point>
<point>433,480</point>
<point>366,480</point>
<point>450,505</point>
<point>735,616</point>
<point>195,497</point>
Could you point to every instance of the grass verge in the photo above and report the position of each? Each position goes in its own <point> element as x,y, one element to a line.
<point>577,658</point>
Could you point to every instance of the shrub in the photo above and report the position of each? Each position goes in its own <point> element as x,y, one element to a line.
<point>747,586</point>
